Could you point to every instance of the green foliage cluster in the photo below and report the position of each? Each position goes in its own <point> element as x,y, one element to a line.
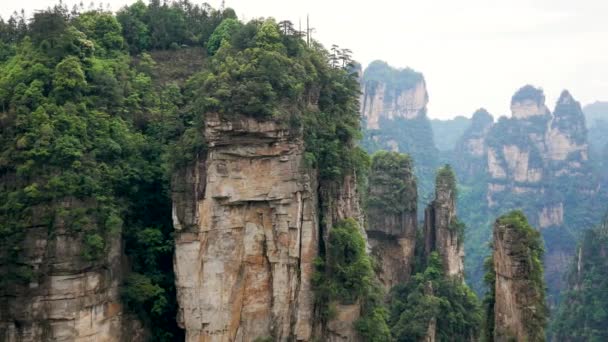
<point>347,271</point>
<point>489,299</point>
<point>582,313</point>
<point>431,295</point>
<point>86,136</point>
<point>414,137</point>
<point>528,247</point>
<point>263,72</point>
<point>446,179</point>
<point>66,148</point>
<point>346,276</point>
<point>169,24</point>
<point>92,133</point>
<point>392,176</point>
<point>528,92</point>
<point>569,117</point>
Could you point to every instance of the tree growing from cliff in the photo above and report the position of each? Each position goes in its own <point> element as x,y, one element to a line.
<point>432,296</point>
<point>346,276</point>
<point>393,171</point>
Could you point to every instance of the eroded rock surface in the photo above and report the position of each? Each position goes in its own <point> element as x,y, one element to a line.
<point>442,232</point>
<point>519,308</point>
<point>246,235</point>
<point>68,298</point>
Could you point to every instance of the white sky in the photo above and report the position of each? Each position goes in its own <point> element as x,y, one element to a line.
<point>473,53</point>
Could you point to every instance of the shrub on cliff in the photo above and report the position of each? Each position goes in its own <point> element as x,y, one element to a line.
<point>392,171</point>
<point>527,246</point>
<point>430,295</point>
<point>346,276</point>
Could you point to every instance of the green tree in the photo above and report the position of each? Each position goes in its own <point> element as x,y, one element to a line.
<point>223,33</point>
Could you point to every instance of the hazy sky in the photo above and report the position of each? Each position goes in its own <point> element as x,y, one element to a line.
<point>473,53</point>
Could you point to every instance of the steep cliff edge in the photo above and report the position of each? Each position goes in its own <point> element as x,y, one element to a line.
<point>390,94</point>
<point>393,110</point>
<point>536,160</point>
<point>68,298</point>
<point>443,233</point>
<point>392,216</point>
<point>516,299</point>
<point>471,149</point>
<point>269,168</point>
<point>244,256</point>
<point>534,153</point>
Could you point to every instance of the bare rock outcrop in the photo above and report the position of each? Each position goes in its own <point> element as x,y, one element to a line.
<point>246,235</point>
<point>391,210</point>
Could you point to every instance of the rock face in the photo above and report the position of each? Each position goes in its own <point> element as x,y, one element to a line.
<point>528,102</point>
<point>536,148</point>
<point>519,303</point>
<point>393,109</point>
<point>471,149</point>
<point>541,162</point>
<point>68,298</point>
<point>536,160</point>
<point>391,211</point>
<point>338,201</point>
<point>246,236</point>
<point>378,102</point>
<point>442,231</point>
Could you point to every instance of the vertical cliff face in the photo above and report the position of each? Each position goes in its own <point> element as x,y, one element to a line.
<point>538,160</point>
<point>393,109</point>
<point>471,149</point>
<point>246,235</point>
<point>380,101</point>
<point>519,307</point>
<point>391,216</point>
<point>567,137</point>
<point>339,200</point>
<point>535,150</point>
<point>67,297</point>
<point>442,231</point>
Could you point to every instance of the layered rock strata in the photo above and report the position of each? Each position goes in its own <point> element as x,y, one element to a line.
<point>246,235</point>
<point>68,297</point>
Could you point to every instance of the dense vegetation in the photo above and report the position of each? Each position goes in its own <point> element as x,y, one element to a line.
<point>93,126</point>
<point>346,276</point>
<point>414,137</point>
<point>391,173</point>
<point>527,247</point>
<point>430,295</point>
<point>85,135</point>
<point>528,92</point>
<point>582,314</point>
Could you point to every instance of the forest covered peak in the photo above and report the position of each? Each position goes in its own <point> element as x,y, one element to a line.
<point>399,79</point>
<point>529,92</point>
